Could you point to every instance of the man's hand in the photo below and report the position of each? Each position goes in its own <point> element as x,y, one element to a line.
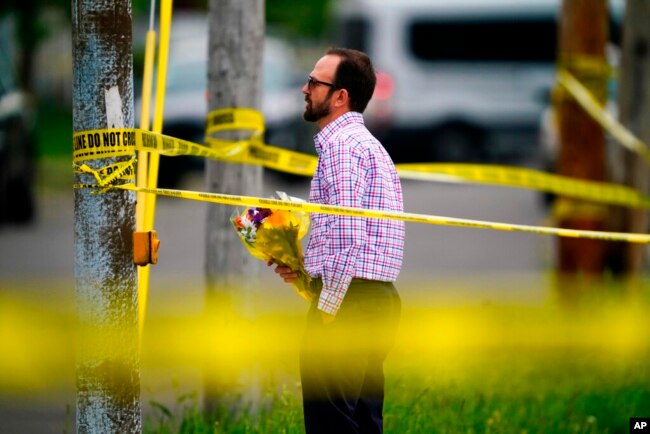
<point>286,273</point>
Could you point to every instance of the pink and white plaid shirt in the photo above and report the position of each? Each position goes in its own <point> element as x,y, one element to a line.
<point>353,170</point>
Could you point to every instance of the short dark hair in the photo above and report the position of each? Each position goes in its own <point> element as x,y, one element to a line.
<point>355,74</point>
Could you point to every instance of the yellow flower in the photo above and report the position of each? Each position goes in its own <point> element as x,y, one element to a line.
<point>275,235</point>
<point>280,218</point>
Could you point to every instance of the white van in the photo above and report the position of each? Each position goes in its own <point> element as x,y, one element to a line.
<point>459,80</point>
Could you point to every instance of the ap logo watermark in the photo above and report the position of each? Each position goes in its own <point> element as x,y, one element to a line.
<point>640,424</point>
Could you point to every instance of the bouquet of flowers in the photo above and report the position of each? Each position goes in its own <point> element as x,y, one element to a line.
<point>274,235</point>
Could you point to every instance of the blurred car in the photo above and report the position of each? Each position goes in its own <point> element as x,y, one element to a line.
<point>462,80</point>
<point>186,95</point>
<point>17,145</point>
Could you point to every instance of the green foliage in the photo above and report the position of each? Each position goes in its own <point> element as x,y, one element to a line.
<point>301,19</point>
<point>53,129</point>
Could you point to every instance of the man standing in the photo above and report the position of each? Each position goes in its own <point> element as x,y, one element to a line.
<point>353,261</point>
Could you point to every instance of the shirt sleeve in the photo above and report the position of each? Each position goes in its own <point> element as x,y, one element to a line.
<point>345,186</point>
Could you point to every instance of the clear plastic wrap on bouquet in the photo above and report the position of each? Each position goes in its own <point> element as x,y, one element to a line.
<point>274,235</point>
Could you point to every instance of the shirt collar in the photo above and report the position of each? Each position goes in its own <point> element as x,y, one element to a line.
<point>338,123</point>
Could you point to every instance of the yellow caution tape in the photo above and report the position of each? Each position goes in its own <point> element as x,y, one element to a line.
<point>124,170</point>
<point>601,192</point>
<point>587,101</point>
<point>585,65</point>
<point>145,203</point>
<point>229,119</point>
<point>116,142</point>
<point>282,159</point>
<point>568,209</point>
<point>90,145</point>
<point>226,199</point>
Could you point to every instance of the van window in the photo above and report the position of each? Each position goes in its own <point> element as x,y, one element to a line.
<point>353,33</point>
<point>495,40</point>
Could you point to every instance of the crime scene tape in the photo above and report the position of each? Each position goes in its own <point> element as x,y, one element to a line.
<point>226,199</point>
<point>124,170</point>
<point>601,192</point>
<point>89,145</point>
<point>586,65</point>
<point>234,119</point>
<point>583,97</point>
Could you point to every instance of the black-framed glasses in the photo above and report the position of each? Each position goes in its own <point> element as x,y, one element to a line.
<point>311,82</point>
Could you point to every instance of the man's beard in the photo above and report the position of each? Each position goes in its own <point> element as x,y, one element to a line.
<point>319,111</point>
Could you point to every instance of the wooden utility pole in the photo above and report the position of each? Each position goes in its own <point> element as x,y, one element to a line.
<point>235,49</point>
<point>583,34</point>
<point>108,379</point>
<point>634,113</point>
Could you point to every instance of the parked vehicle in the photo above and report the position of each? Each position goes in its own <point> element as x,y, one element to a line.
<point>462,80</point>
<point>17,144</point>
<point>186,95</point>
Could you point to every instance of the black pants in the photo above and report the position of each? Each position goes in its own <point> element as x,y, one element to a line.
<point>341,363</point>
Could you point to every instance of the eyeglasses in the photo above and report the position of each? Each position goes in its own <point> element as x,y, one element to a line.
<point>311,82</point>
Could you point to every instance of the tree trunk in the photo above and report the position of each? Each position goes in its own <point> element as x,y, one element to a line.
<point>235,79</point>
<point>108,383</point>
<point>583,34</point>
<point>634,113</point>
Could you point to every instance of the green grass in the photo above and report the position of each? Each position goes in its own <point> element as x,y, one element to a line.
<point>279,412</point>
<point>522,391</point>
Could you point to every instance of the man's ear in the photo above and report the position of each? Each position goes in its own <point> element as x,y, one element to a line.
<point>342,98</point>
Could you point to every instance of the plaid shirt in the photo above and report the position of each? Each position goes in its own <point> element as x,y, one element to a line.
<point>353,170</point>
